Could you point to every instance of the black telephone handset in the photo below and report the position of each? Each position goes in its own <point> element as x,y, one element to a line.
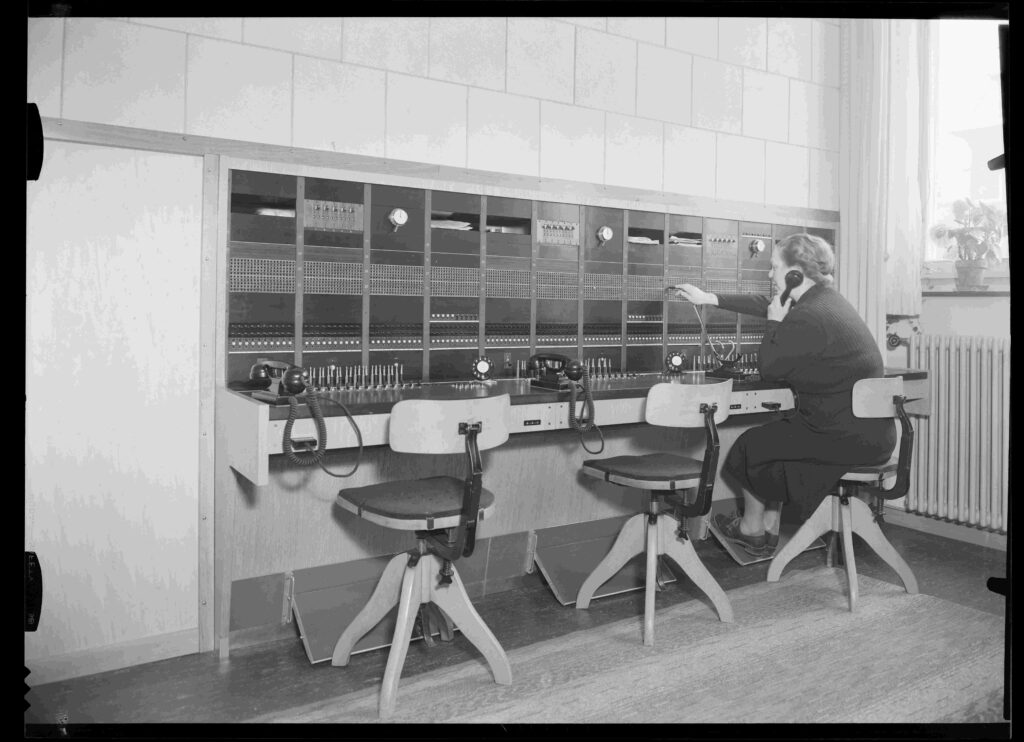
<point>557,364</point>
<point>282,379</point>
<point>553,367</point>
<point>793,279</point>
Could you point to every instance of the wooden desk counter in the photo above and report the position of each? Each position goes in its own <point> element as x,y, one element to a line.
<point>274,517</point>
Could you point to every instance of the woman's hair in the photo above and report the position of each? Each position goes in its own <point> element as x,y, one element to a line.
<point>812,255</point>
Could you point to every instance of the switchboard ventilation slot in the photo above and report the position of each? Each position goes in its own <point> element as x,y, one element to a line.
<point>396,280</point>
<point>644,288</point>
<point>261,275</point>
<point>507,284</point>
<point>323,277</point>
<point>446,281</point>
<point>720,285</point>
<point>602,286</point>
<point>555,285</point>
<point>762,288</point>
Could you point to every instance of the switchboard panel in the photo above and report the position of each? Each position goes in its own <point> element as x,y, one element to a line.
<point>368,281</point>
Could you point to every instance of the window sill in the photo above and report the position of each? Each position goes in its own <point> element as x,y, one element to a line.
<point>965,293</point>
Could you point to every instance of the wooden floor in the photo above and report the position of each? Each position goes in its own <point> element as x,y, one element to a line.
<point>277,676</point>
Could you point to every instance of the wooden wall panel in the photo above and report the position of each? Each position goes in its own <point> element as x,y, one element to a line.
<point>292,522</point>
<point>112,394</point>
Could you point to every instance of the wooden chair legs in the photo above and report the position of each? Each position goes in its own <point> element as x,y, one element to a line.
<point>384,598</point>
<point>684,555</point>
<point>628,544</point>
<point>843,520</point>
<point>650,582</point>
<point>821,522</point>
<point>409,586</point>
<point>454,601</point>
<point>639,535</point>
<point>864,525</point>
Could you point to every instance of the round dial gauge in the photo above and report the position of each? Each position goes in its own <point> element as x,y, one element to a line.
<point>482,368</point>
<point>398,217</point>
<point>756,247</point>
<point>675,362</point>
<point>604,234</point>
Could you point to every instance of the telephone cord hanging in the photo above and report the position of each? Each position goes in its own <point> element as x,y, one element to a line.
<point>587,423</point>
<point>308,458</point>
<point>712,341</point>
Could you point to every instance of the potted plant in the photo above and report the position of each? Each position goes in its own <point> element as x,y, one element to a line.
<point>973,242</point>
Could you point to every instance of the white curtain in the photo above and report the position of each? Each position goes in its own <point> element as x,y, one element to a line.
<point>886,140</point>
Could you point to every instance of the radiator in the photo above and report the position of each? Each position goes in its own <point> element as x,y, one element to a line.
<point>961,452</point>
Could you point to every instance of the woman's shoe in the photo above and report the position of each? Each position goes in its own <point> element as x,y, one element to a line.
<point>771,543</point>
<point>729,526</point>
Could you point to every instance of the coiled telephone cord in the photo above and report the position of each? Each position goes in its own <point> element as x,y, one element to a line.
<point>308,458</point>
<point>587,424</point>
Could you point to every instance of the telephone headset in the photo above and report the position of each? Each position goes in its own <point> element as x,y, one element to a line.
<point>793,279</point>
<point>553,368</point>
<point>280,378</point>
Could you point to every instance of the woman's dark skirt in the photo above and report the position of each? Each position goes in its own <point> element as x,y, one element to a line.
<point>792,462</point>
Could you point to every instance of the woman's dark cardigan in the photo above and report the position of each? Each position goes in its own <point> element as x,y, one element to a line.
<point>821,348</point>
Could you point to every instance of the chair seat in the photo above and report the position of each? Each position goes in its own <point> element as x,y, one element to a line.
<point>413,504</point>
<point>873,473</point>
<point>654,471</point>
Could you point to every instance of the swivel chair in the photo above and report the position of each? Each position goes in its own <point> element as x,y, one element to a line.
<point>443,512</point>
<point>843,512</point>
<point>663,476</point>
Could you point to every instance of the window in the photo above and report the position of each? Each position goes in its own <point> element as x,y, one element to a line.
<point>969,122</point>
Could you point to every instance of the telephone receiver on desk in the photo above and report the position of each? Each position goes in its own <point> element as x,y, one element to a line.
<point>552,368</point>
<point>278,379</point>
<point>285,382</point>
<point>793,279</point>
<point>561,373</point>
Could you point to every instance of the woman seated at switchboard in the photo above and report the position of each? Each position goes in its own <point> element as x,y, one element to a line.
<point>817,343</point>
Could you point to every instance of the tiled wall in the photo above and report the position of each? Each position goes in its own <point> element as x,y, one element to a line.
<point>734,108</point>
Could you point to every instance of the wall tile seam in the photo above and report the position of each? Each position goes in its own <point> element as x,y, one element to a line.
<point>63,61</point>
<point>607,33</point>
<point>176,30</point>
<point>745,67</point>
<point>291,118</point>
<point>184,102</point>
<point>430,23</point>
<point>654,44</point>
<point>439,79</point>
<point>131,20</point>
<point>341,40</point>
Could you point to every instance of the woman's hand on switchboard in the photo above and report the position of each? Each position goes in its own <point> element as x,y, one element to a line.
<point>778,311</point>
<point>695,295</point>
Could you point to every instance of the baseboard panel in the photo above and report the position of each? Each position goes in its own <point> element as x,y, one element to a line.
<point>977,536</point>
<point>111,657</point>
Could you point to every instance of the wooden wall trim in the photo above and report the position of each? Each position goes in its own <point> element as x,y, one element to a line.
<point>223,514</point>
<point>318,163</point>
<point>111,657</point>
<point>208,355</point>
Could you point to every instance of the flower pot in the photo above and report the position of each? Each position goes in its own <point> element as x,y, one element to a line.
<point>970,275</point>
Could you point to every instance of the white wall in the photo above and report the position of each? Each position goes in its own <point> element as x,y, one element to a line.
<point>112,398</point>
<point>734,108</point>
<point>739,109</point>
<point>981,316</point>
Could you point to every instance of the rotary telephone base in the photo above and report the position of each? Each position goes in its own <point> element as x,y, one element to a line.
<point>275,399</point>
<point>554,382</point>
<point>726,371</point>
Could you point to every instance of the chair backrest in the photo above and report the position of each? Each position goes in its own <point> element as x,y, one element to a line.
<point>873,397</point>
<point>678,405</point>
<point>432,425</point>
